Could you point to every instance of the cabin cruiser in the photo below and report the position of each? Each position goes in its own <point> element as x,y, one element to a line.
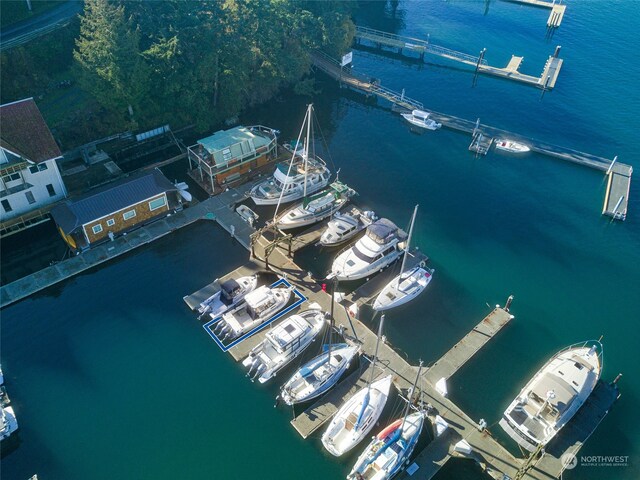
<point>511,146</point>
<point>356,417</point>
<point>284,343</point>
<point>8,422</point>
<point>318,375</point>
<point>380,246</point>
<point>345,226</point>
<point>317,207</point>
<point>554,395</point>
<point>421,119</point>
<point>258,307</point>
<point>231,293</point>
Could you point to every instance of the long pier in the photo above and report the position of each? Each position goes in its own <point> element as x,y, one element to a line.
<point>619,174</point>
<point>547,80</point>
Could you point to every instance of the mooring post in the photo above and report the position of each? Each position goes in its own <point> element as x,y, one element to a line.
<point>615,159</point>
<point>615,380</point>
<point>557,52</point>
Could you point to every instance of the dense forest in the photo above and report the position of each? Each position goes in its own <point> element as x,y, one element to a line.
<point>144,63</point>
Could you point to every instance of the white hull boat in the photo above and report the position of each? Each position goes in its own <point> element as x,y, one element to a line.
<point>356,417</point>
<point>232,293</point>
<point>344,226</point>
<point>284,343</point>
<point>8,422</point>
<point>318,375</point>
<point>511,146</point>
<point>378,248</point>
<point>421,119</point>
<point>387,453</point>
<point>403,288</point>
<point>258,307</point>
<point>553,396</point>
<point>316,208</point>
<point>247,214</point>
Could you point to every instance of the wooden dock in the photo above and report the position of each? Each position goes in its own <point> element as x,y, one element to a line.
<point>547,80</point>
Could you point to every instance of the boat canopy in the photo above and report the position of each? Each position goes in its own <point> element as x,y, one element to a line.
<point>420,114</point>
<point>382,231</point>
<point>229,289</point>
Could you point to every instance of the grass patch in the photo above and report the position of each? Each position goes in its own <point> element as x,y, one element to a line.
<point>12,11</point>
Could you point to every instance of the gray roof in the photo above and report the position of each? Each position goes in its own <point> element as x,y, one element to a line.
<point>98,203</point>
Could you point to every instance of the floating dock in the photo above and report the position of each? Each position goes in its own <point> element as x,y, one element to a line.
<point>557,10</point>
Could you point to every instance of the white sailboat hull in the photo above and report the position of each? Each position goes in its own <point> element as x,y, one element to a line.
<point>403,288</point>
<point>343,434</point>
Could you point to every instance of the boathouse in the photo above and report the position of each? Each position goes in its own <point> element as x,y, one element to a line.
<point>29,175</point>
<point>229,155</point>
<point>114,209</point>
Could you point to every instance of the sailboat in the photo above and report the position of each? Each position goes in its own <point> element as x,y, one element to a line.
<point>359,414</point>
<point>305,174</point>
<point>321,373</point>
<point>386,454</point>
<point>317,207</point>
<point>407,285</point>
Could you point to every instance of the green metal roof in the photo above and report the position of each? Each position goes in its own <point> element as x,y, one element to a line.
<point>226,138</point>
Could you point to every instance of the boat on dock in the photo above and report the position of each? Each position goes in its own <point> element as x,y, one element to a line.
<point>511,146</point>
<point>232,292</point>
<point>317,207</point>
<point>305,174</point>
<point>421,119</point>
<point>387,453</point>
<point>554,395</point>
<point>344,226</point>
<point>258,307</point>
<point>382,244</point>
<point>284,343</point>
<point>360,413</point>
<point>408,284</point>
<point>8,422</point>
<point>247,214</point>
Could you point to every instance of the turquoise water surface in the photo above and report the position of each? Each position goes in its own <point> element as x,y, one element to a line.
<point>112,377</point>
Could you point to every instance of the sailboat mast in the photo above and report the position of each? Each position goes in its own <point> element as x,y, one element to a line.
<point>293,157</point>
<point>410,395</point>
<point>406,250</point>
<point>333,294</point>
<point>307,146</point>
<point>375,357</point>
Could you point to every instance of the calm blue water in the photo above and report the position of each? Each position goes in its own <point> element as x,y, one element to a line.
<point>113,378</point>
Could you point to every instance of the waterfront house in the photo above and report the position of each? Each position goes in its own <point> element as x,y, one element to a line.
<point>229,155</point>
<point>29,175</point>
<point>116,208</point>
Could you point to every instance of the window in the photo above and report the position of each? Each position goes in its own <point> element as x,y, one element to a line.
<point>51,190</point>
<point>226,154</point>
<point>38,168</point>
<point>96,228</point>
<point>11,178</point>
<point>6,205</point>
<point>157,203</point>
<point>33,169</point>
<point>128,215</point>
<point>30,198</point>
<point>111,222</point>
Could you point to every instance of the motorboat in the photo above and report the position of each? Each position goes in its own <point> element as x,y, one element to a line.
<point>258,307</point>
<point>284,343</point>
<point>317,207</point>
<point>318,375</point>
<point>554,395</point>
<point>511,146</point>
<point>231,293</point>
<point>408,284</point>
<point>358,415</point>
<point>421,119</point>
<point>382,244</point>
<point>247,214</point>
<point>390,449</point>
<point>344,226</point>
<point>305,174</point>
<point>8,422</point>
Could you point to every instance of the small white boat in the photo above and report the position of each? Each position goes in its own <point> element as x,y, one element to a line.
<point>421,119</point>
<point>381,245</point>
<point>554,395</point>
<point>511,146</point>
<point>407,285</point>
<point>345,226</point>
<point>231,293</point>
<point>318,375</point>
<point>1,377</point>
<point>258,307</point>
<point>284,343</point>
<point>388,452</point>
<point>304,175</point>
<point>316,208</point>
<point>8,422</point>
<point>247,214</point>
